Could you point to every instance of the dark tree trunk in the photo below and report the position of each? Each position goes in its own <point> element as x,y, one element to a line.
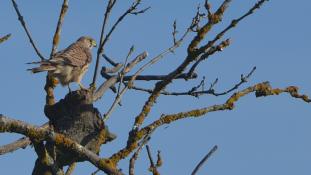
<point>77,118</point>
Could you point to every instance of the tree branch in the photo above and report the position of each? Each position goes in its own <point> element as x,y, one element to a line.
<point>208,155</point>
<point>233,23</point>
<point>21,19</point>
<point>192,55</point>
<point>101,45</point>
<point>6,37</point>
<point>20,143</point>
<point>56,37</point>
<point>107,37</point>
<point>135,155</point>
<point>185,76</point>
<point>213,19</point>
<point>39,134</point>
<point>112,80</point>
<point>206,54</point>
<point>260,90</point>
<point>162,84</point>
<point>152,167</point>
<point>134,135</point>
<point>193,91</point>
<point>71,168</point>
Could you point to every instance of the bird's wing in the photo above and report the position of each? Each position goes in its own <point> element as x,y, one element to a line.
<point>74,55</point>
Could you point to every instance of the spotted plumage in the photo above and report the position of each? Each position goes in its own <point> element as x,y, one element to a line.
<point>70,64</point>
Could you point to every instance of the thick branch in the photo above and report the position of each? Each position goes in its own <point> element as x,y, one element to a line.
<point>134,135</point>
<point>260,89</point>
<point>190,58</point>
<point>39,134</point>
<point>213,19</point>
<point>20,143</point>
<point>217,16</point>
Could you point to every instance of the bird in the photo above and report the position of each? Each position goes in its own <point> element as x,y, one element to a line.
<point>69,65</point>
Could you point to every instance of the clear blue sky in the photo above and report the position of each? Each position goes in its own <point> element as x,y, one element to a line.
<point>260,136</point>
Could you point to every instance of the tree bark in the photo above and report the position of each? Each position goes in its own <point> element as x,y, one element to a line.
<point>76,118</point>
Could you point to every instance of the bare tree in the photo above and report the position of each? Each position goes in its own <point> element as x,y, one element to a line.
<point>76,129</point>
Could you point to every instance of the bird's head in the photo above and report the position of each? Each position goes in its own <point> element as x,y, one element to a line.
<point>87,41</point>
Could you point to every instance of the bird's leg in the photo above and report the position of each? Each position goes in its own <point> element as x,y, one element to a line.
<point>81,86</point>
<point>69,88</point>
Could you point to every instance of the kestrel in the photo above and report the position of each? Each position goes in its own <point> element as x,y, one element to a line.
<point>70,64</point>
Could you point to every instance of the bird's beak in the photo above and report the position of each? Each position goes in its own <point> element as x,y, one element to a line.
<point>94,43</point>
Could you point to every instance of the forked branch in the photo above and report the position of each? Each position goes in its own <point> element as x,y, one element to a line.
<point>260,90</point>
<point>36,133</point>
<point>103,40</point>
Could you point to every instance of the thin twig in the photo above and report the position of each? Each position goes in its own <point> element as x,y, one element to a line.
<point>133,78</point>
<point>159,159</point>
<point>208,7</point>
<point>192,55</point>
<point>211,91</point>
<point>101,45</point>
<point>21,19</point>
<point>95,172</point>
<point>56,37</point>
<point>120,19</point>
<point>114,79</point>
<point>185,76</point>
<point>110,61</point>
<point>208,155</point>
<point>135,155</point>
<point>206,54</point>
<point>6,37</point>
<point>107,37</point>
<point>202,32</point>
<point>125,70</point>
<point>233,23</point>
<point>161,55</point>
<point>152,167</point>
<point>174,32</point>
<point>260,90</point>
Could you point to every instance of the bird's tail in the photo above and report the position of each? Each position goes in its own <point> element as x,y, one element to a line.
<point>44,66</point>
